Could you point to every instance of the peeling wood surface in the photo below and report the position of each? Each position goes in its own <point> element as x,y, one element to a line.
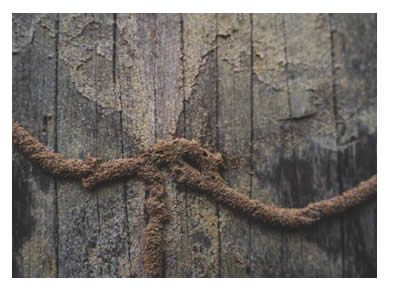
<point>288,99</point>
<point>273,170</point>
<point>314,142</point>
<point>134,77</point>
<point>93,239</point>
<point>169,105</point>
<point>234,125</point>
<point>200,119</point>
<point>34,210</point>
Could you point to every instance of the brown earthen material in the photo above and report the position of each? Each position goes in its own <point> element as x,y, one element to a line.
<point>191,165</point>
<point>49,161</point>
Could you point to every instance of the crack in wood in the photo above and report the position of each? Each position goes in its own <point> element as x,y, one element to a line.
<point>190,165</point>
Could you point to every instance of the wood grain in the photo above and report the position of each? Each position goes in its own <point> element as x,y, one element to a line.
<point>169,113</point>
<point>273,165</point>
<point>288,99</point>
<point>135,48</point>
<point>34,225</point>
<point>354,67</point>
<point>314,141</point>
<point>200,75</point>
<point>234,120</point>
<point>92,226</point>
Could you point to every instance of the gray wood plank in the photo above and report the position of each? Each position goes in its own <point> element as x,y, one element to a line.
<point>135,48</point>
<point>314,127</point>
<point>92,225</point>
<point>234,120</point>
<point>34,232</point>
<point>300,87</point>
<point>273,163</point>
<point>113,240</point>
<point>78,208</point>
<point>168,75</point>
<point>200,75</point>
<point>354,66</point>
<point>169,98</point>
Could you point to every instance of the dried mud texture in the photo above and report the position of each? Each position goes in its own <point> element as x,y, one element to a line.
<point>193,166</point>
<point>51,162</point>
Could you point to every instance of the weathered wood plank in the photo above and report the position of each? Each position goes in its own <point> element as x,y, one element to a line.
<point>78,208</point>
<point>135,47</point>
<point>234,120</point>
<point>200,75</point>
<point>168,75</point>
<point>314,127</point>
<point>169,114</point>
<point>34,232</point>
<point>354,66</point>
<point>92,225</point>
<point>113,240</point>
<point>273,165</point>
<point>292,97</point>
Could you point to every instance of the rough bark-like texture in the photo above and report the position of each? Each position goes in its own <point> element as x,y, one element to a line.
<point>93,240</point>
<point>198,169</point>
<point>289,100</point>
<point>135,52</point>
<point>273,169</point>
<point>312,122</point>
<point>34,235</point>
<point>354,71</point>
<point>234,119</point>
<point>200,71</point>
<point>169,98</point>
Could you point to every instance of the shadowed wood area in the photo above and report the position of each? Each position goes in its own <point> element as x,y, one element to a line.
<point>289,100</point>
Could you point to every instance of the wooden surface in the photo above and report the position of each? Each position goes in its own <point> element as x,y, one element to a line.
<point>288,99</point>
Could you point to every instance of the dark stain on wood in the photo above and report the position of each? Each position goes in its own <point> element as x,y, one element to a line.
<point>122,80</point>
<point>23,222</point>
